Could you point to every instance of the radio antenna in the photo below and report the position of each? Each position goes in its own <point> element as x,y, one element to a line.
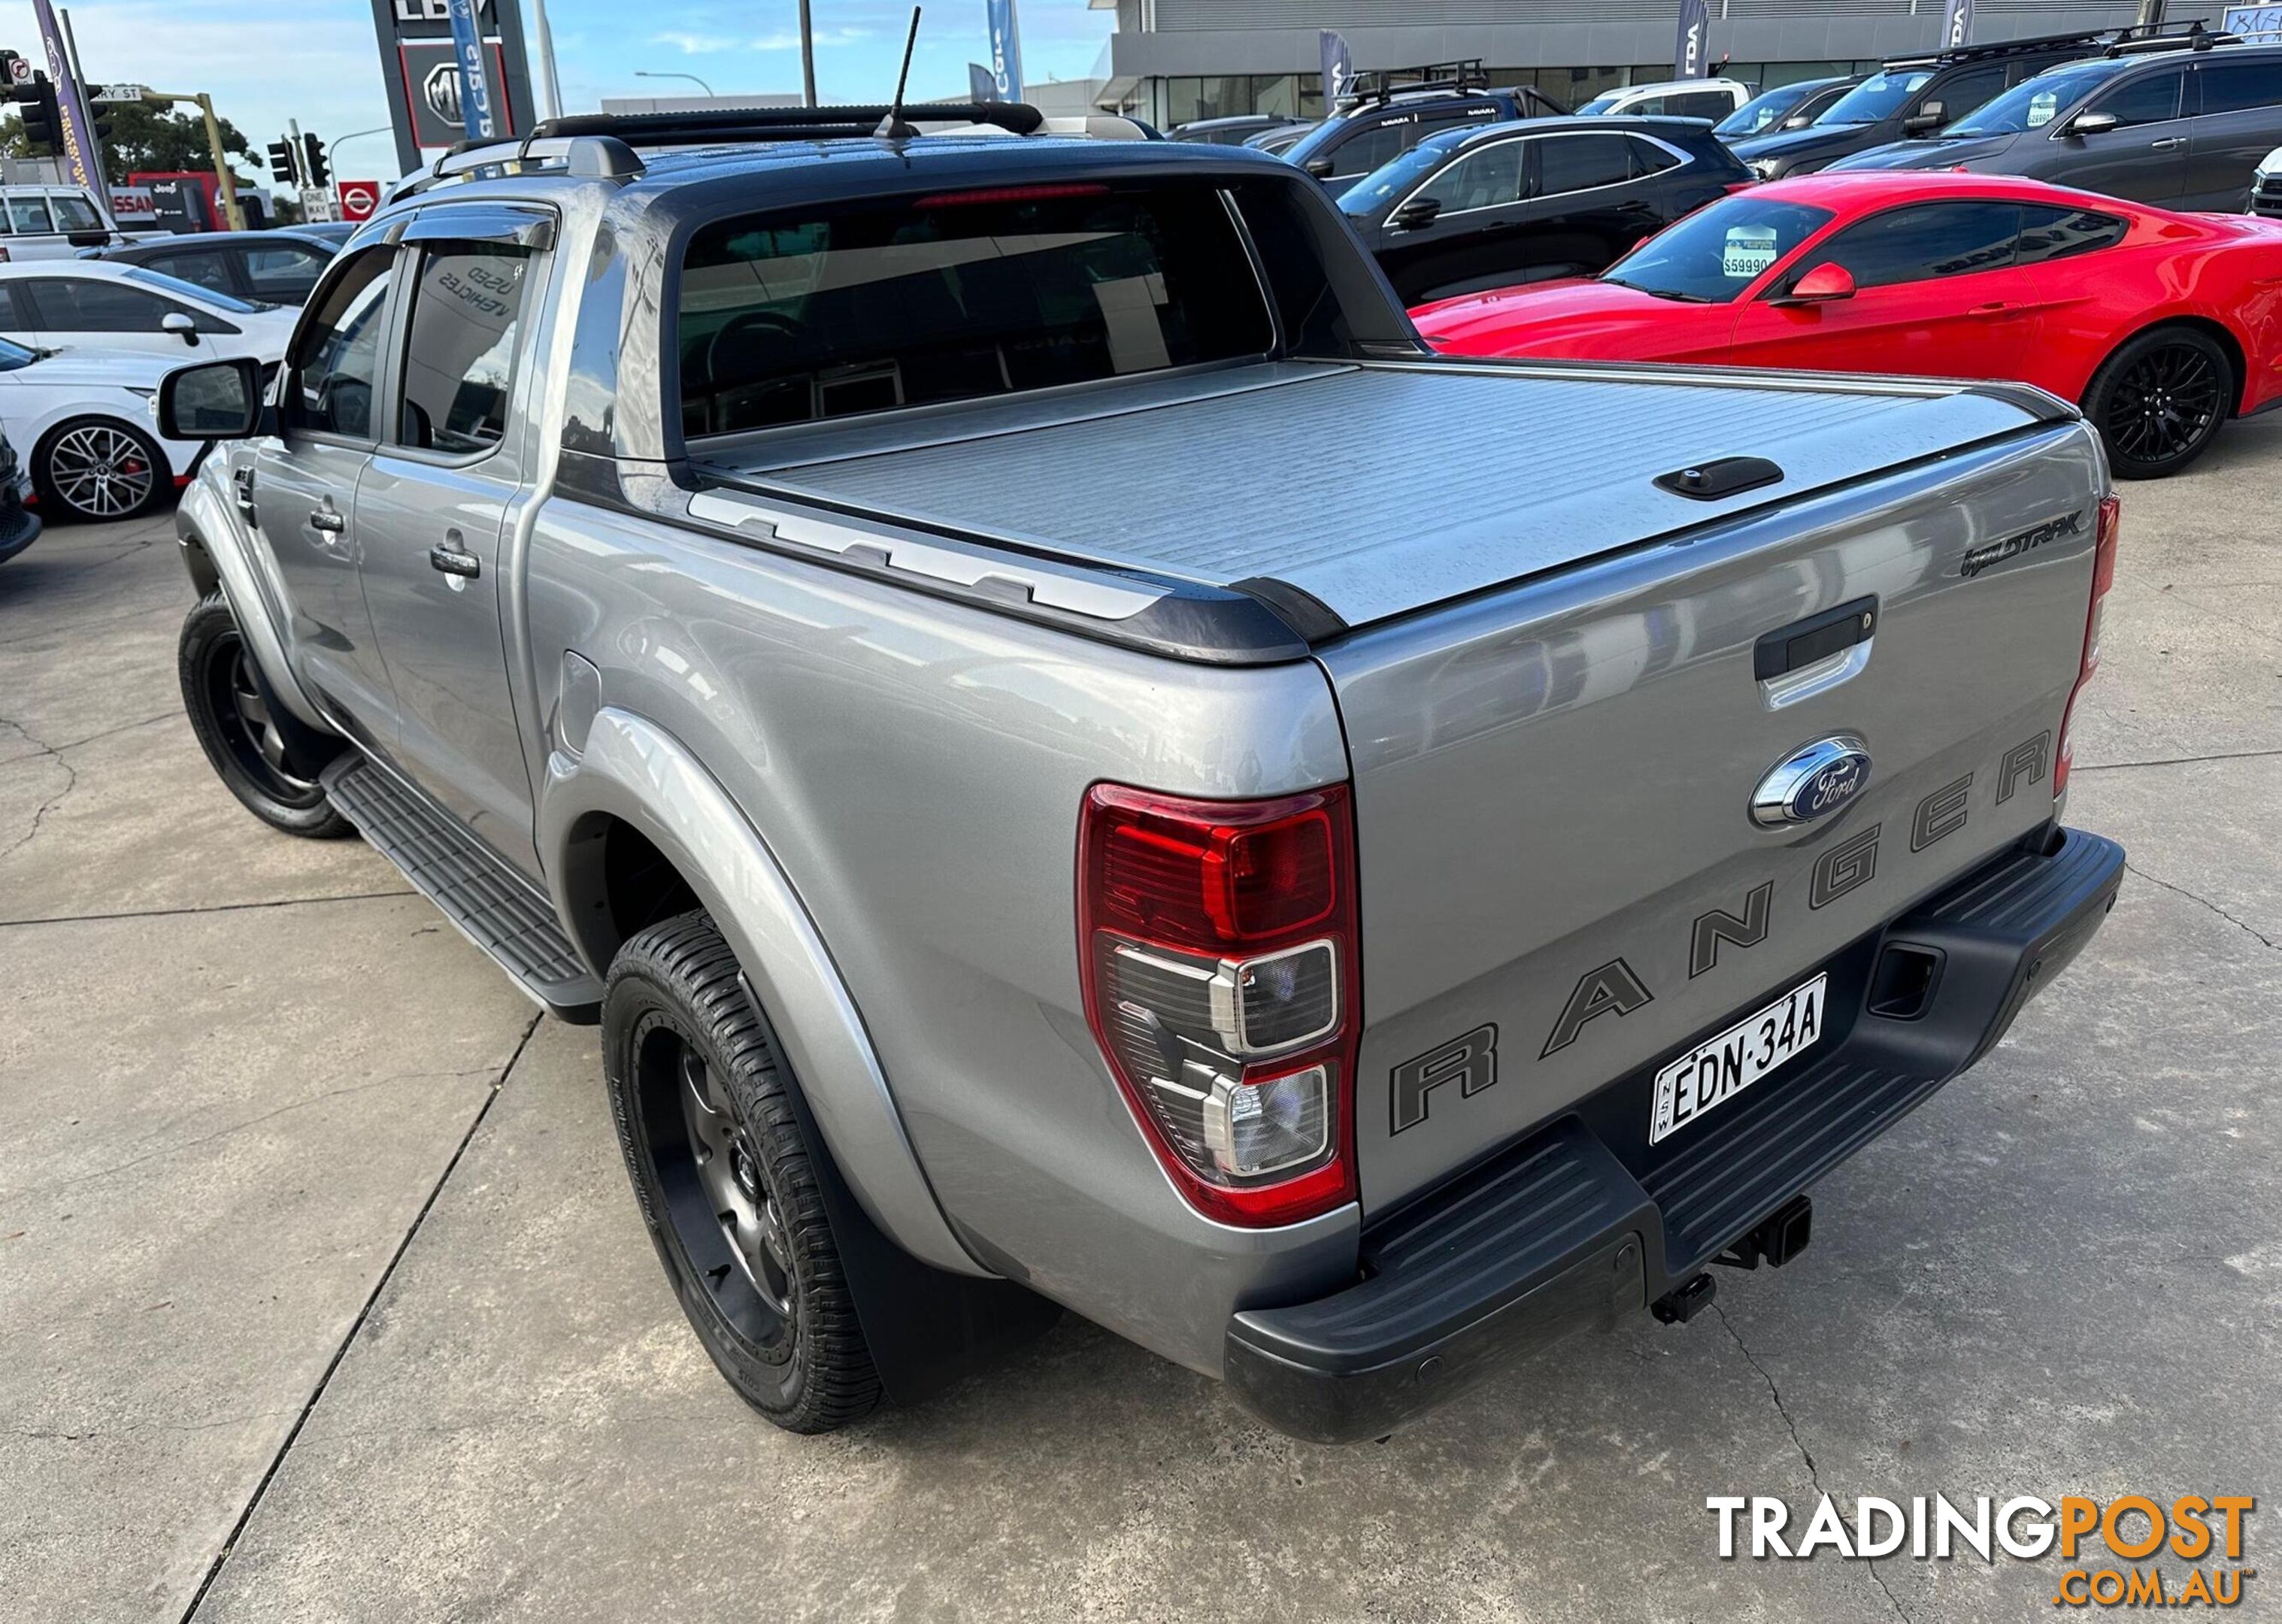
<point>892,128</point>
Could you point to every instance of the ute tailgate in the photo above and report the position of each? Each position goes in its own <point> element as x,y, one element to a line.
<point>1552,784</point>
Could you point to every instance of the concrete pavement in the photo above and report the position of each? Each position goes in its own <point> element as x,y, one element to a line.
<point>259,1327</point>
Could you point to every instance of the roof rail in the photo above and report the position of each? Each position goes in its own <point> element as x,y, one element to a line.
<point>599,157</point>
<point>2001,48</point>
<point>735,124</point>
<point>2186,35</point>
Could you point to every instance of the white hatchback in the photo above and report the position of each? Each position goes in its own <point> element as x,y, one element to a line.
<point>80,418</point>
<point>130,308</point>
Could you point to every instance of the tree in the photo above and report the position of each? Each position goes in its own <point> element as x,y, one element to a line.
<point>144,136</point>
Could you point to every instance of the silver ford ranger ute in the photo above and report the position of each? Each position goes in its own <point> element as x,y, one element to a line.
<point>1077,766</point>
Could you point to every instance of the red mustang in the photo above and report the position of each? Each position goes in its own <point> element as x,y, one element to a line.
<point>2160,325</point>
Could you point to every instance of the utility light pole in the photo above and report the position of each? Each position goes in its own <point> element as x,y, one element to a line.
<point>807,58</point>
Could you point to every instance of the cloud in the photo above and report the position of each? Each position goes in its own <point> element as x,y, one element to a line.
<point>825,38</point>
<point>691,45</point>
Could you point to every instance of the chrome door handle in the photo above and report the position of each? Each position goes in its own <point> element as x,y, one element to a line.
<point>451,561</point>
<point>331,523</point>
<point>2166,143</point>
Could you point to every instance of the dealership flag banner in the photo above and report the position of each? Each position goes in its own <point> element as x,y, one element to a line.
<point>1339,69</point>
<point>474,79</point>
<point>1688,54</point>
<point>78,130</point>
<point>1005,51</point>
<point>1957,24</point>
<point>980,87</point>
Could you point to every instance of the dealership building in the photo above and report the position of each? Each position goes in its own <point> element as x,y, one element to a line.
<point>1174,61</point>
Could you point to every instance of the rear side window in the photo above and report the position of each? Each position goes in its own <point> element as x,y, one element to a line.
<point>29,215</point>
<point>955,296</point>
<point>2237,87</point>
<point>84,305</point>
<point>1700,105</point>
<point>206,267</point>
<point>1926,241</point>
<point>1649,159</point>
<point>460,355</point>
<point>1576,163</point>
<point>2151,100</point>
<point>2057,233</point>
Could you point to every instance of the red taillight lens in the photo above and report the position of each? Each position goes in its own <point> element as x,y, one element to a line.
<point>2103,576</point>
<point>1217,949</point>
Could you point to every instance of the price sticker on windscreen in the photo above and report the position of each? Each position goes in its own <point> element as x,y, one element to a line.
<point>1750,250</point>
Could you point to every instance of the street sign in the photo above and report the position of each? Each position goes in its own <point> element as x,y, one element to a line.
<point>114,95</point>
<point>316,205</point>
<point>359,199</point>
<point>19,69</point>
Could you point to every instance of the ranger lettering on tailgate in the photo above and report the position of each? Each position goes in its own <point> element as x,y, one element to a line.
<point>1616,989</point>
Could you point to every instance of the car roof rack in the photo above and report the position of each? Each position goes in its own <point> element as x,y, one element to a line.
<point>601,146</point>
<point>2187,34</point>
<point>1999,49</point>
<point>1379,85</point>
<point>739,124</point>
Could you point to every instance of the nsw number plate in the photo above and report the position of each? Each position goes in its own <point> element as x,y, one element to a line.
<point>1724,1067</point>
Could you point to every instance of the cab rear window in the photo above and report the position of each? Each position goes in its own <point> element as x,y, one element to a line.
<point>956,295</point>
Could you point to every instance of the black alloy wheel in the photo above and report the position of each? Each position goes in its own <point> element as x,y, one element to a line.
<point>231,716</point>
<point>729,1179</point>
<point>2159,400</point>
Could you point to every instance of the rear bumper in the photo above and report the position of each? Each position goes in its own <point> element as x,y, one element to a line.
<point>19,527</point>
<point>1580,1223</point>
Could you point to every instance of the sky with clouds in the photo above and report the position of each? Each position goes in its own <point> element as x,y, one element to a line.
<point>265,61</point>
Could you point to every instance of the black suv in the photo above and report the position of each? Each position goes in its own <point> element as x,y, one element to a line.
<point>1911,96</point>
<point>278,268</point>
<point>1390,113</point>
<point>2182,126</point>
<point>1533,199</point>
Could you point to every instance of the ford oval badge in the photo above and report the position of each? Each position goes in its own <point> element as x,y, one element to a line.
<point>1813,782</point>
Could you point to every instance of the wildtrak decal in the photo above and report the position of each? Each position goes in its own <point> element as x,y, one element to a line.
<point>2011,547</point>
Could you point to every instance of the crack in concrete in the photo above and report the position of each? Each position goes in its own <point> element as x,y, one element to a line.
<point>117,1168</point>
<point>42,750</point>
<point>214,907</point>
<point>2181,761</point>
<point>62,1436</point>
<point>356,1328</point>
<point>2256,935</point>
<point>1813,1475</point>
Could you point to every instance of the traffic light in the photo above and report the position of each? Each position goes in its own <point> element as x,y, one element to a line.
<point>281,163</point>
<point>42,124</point>
<point>313,168</point>
<point>99,112</point>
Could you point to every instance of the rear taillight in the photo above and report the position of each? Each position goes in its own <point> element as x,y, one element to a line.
<point>2103,576</point>
<point>1216,943</point>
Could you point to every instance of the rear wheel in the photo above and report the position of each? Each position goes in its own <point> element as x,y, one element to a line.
<point>727,1179</point>
<point>2159,401</point>
<point>100,469</point>
<point>232,718</point>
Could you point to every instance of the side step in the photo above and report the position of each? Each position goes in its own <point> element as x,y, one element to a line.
<point>493,906</point>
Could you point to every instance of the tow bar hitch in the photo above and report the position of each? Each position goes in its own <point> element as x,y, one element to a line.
<point>1783,1237</point>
